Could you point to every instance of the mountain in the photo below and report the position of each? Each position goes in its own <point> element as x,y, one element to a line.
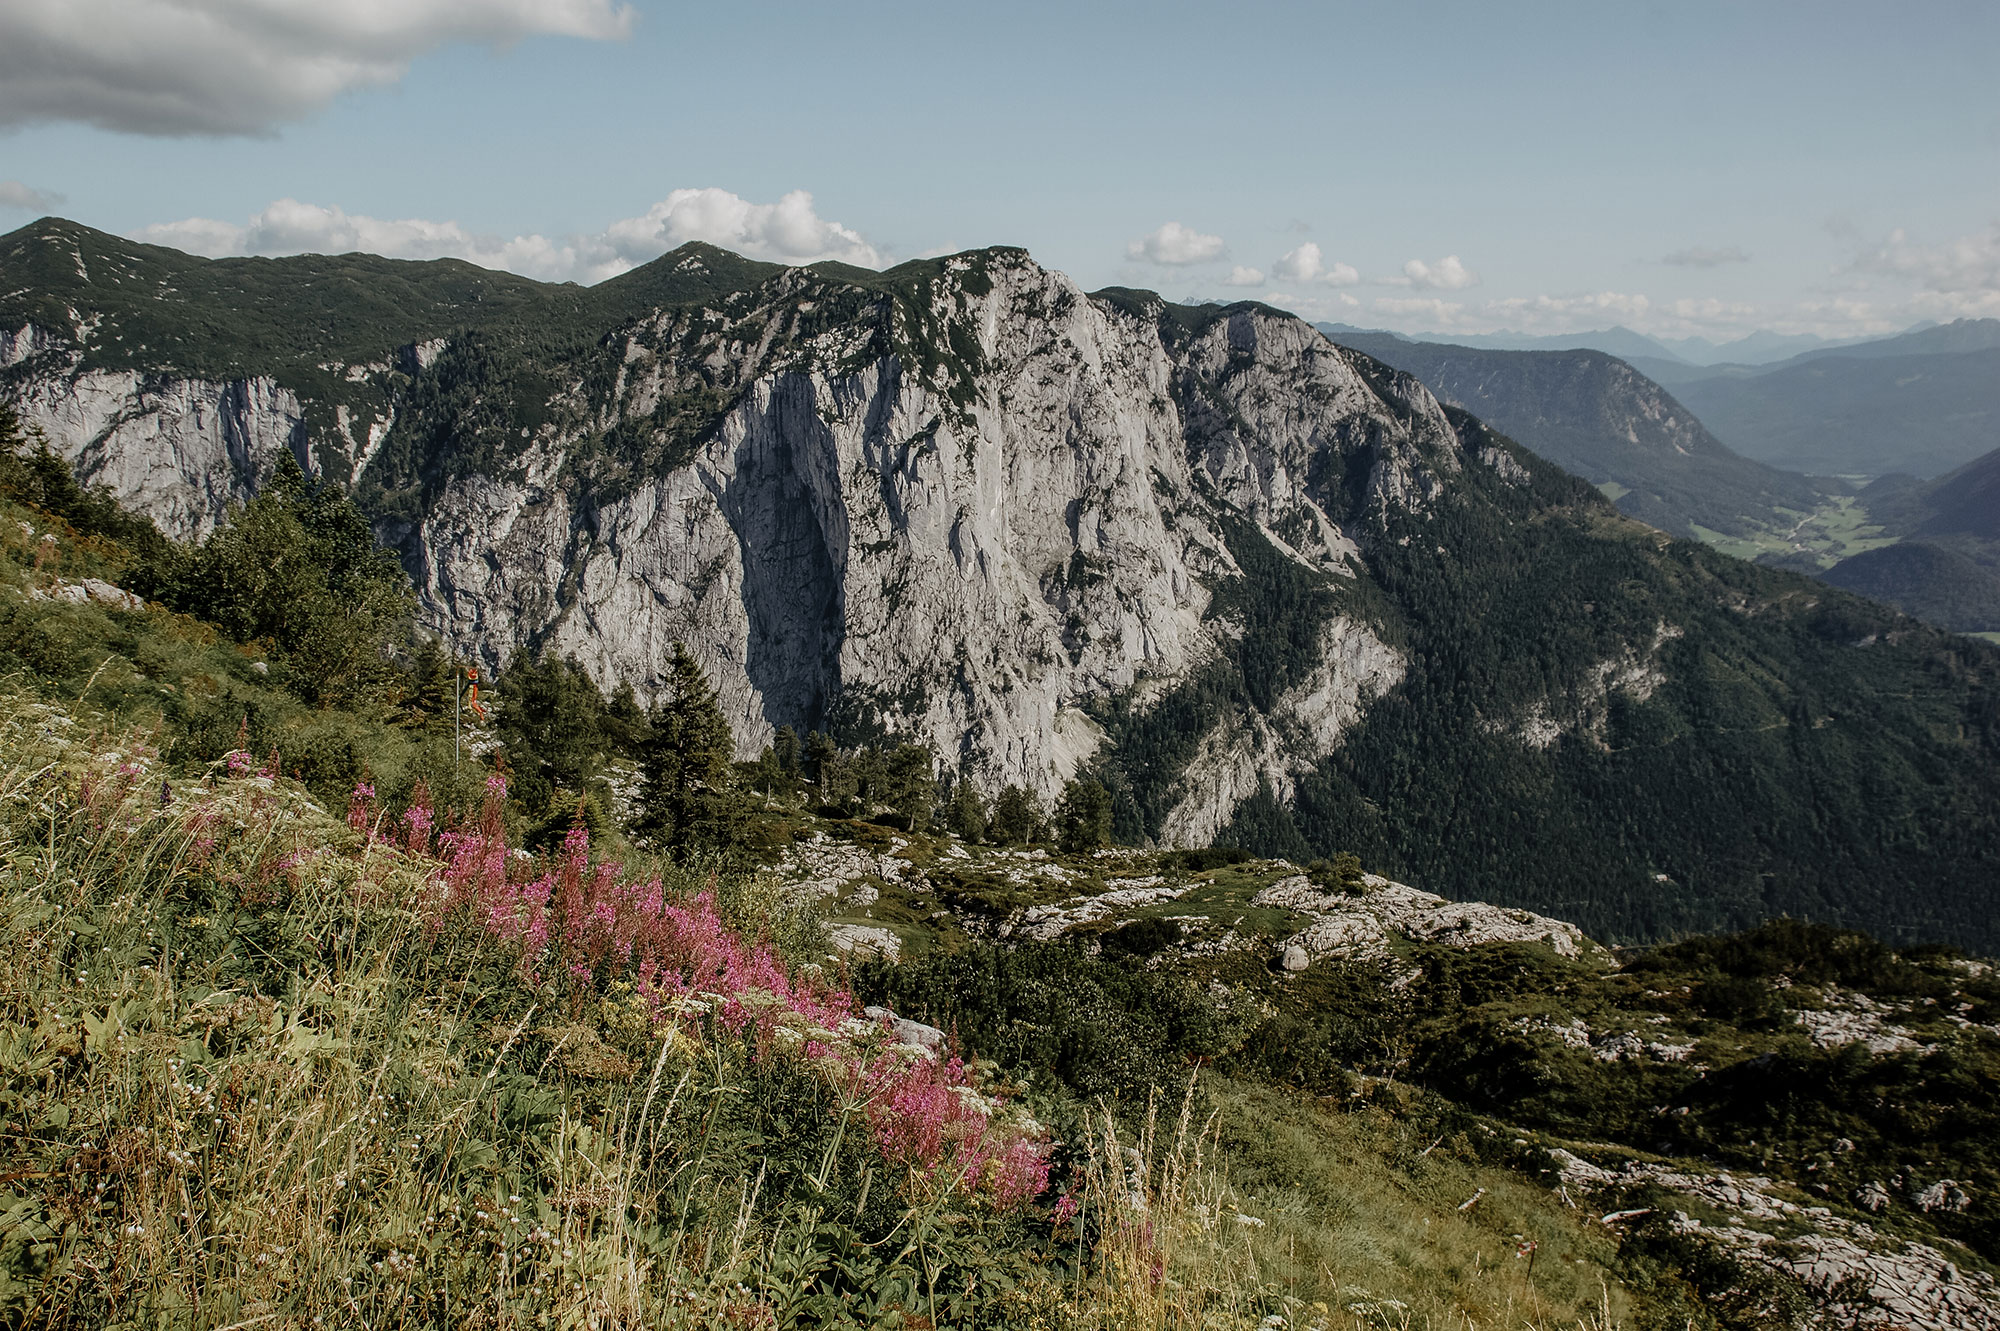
<point>1617,341</point>
<point>1594,415</point>
<point>1946,565</point>
<point>1957,336</point>
<point>1269,590</point>
<point>1845,414</point>
<point>1936,584</point>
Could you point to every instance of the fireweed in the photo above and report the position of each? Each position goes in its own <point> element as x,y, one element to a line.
<point>590,923</point>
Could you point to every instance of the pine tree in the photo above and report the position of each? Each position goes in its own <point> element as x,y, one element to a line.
<point>1017,816</point>
<point>909,784</point>
<point>965,815</point>
<point>1083,818</point>
<point>685,763</point>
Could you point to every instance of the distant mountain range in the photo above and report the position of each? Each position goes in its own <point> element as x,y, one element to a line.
<point>1945,566</point>
<point>1604,420</point>
<point>1922,402</point>
<point>1595,415</point>
<point>1758,348</point>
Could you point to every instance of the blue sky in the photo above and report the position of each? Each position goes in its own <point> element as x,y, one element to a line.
<point>1682,169</point>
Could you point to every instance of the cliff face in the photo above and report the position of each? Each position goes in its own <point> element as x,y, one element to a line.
<point>1267,588</point>
<point>970,510</point>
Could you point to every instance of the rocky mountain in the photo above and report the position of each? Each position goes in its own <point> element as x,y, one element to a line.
<point>1595,415</point>
<point>1268,589</point>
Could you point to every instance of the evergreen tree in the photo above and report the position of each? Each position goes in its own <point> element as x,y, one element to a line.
<point>909,784</point>
<point>965,815</point>
<point>1017,817</point>
<point>552,720</point>
<point>1083,818</point>
<point>297,568</point>
<point>785,748</point>
<point>686,760</point>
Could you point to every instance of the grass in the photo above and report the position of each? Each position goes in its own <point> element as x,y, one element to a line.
<point>255,1078</point>
<point>1839,527</point>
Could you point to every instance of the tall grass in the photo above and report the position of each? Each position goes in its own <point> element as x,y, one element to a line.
<point>254,1077</point>
<point>264,1066</point>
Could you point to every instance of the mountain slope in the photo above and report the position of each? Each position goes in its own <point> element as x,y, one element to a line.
<point>1594,415</point>
<point>1843,414</point>
<point>1940,586</point>
<point>1269,589</point>
<point>1946,568</point>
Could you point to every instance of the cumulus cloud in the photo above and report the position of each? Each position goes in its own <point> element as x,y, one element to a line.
<point>1534,311</point>
<point>176,67</point>
<point>1700,257</point>
<point>1965,265</point>
<point>1447,274</point>
<point>788,231</point>
<point>13,194</point>
<point>1240,276</point>
<point>1306,264</point>
<point>1176,245</point>
<point>1300,265</point>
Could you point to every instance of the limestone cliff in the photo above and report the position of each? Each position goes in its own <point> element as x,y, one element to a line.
<point>971,508</point>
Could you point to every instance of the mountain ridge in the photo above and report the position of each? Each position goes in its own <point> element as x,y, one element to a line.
<point>1268,589</point>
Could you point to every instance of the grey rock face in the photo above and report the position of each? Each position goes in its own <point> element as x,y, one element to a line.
<point>972,515</point>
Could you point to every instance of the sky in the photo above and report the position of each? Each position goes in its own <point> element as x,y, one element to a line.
<point>1685,170</point>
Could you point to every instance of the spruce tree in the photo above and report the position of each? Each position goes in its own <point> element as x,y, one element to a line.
<point>909,784</point>
<point>1017,816</point>
<point>965,815</point>
<point>1083,818</point>
<point>686,758</point>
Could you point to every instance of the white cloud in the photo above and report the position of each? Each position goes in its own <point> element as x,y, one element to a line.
<point>13,194</point>
<point>1531,312</point>
<point>1447,274</point>
<point>1700,257</point>
<point>1306,264</point>
<point>1239,276</point>
<point>1300,265</point>
<point>174,67</point>
<point>788,231</point>
<point>1960,267</point>
<point>1423,311</point>
<point>1176,245</point>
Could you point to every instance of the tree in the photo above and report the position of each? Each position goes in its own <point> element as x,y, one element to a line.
<point>684,767</point>
<point>909,784</point>
<point>551,718</point>
<point>965,815</point>
<point>785,748</point>
<point>1017,816</point>
<point>297,568</point>
<point>1083,818</point>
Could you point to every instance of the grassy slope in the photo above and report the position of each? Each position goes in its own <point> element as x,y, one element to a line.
<point>302,1100</point>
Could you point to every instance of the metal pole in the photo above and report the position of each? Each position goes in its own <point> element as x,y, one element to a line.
<point>457,711</point>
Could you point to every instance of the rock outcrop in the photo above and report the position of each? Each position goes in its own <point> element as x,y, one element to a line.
<point>975,511</point>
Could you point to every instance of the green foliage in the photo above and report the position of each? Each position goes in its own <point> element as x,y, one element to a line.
<point>296,569</point>
<point>685,761</point>
<point>1342,873</point>
<point>1098,1027</point>
<point>1017,817</point>
<point>1083,818</point>
<point>559,731</point>
<point>31,474</point>
<point>965,815</point>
